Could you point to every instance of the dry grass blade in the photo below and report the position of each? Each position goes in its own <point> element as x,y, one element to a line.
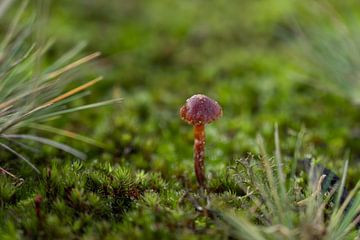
<point>70,93</point>
<point>2,170</point>
<point>49,103</point>
<point>71,66</point>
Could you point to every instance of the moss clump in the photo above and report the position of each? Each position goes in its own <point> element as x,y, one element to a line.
<point>89,201</point>
<point>73,197</point>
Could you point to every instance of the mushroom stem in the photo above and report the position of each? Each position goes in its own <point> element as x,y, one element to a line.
<point>199,153</point>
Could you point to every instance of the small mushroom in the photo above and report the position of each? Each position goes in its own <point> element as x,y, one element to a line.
<point>198,111</point>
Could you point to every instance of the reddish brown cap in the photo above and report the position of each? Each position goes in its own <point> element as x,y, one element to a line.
<point>200,109</point>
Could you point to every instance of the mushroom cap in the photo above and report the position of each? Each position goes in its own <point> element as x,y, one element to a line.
<point>200,109</point>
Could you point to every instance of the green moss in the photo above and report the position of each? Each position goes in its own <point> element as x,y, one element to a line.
<point>155,54</point>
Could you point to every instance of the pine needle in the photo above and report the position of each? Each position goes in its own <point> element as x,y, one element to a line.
<point>14,24</point>
<point>71,66</point>
<point>49,103</point>
<point>49,142</point>
<point>67,133</point>
<point>76,109</point>
<point>71,92</point>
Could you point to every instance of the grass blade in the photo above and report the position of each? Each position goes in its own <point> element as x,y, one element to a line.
<point>19,156</point>
<point>49,142</point>
<point>76,109</point>
<point>67,133</point>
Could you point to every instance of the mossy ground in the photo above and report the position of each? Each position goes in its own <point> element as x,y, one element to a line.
<point>155,54</point>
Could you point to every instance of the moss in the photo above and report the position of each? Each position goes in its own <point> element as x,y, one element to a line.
<point>156,54</point>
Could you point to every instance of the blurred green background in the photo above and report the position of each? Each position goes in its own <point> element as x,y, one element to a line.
<point>265,62</point>
<point>251,56</point>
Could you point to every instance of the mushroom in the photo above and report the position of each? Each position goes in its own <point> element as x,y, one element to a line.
<point>198,111</point>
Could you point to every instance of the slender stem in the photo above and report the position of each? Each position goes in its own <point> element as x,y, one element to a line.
<point>199,154</point>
